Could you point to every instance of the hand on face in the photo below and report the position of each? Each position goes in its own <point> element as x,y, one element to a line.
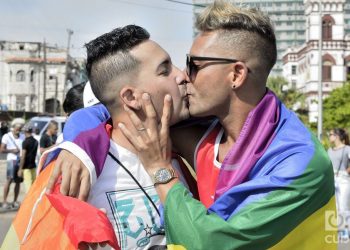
<point>152,142</point>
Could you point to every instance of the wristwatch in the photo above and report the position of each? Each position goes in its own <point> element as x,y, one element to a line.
<point>163,176</point>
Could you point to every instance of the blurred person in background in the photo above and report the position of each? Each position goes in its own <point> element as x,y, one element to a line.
<point>4,129</point>
<point>339,153</point>
<point>11,144</point>
<point>49,138</point>
<point>74,99</point>
<point>27,164</point>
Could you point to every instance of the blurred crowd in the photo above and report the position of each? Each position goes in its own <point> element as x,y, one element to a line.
<point>23,150</point>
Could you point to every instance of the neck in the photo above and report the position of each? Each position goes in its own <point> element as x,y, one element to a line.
<point>234,119</point>
<point>117,136</point>
<point>338,144</point>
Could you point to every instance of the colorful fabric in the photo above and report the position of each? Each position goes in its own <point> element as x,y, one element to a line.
<point>79,124</point>
<point>276,197</point>
<point>207,167</point>
<point>55,221</point>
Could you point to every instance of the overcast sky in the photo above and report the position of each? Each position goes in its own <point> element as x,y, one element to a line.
<point>169,23</point>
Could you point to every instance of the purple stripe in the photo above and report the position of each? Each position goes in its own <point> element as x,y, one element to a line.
<point>95,143</point>
<point>255,137</point>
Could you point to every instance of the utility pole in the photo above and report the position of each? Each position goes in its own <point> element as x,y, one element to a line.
<point>70,33</point>
<point>320,100</point>
<point>45,80</point>
<point>54,77</point>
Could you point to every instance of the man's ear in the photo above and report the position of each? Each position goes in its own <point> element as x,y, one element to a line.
<point>238,74</point>
<point>130,97</point>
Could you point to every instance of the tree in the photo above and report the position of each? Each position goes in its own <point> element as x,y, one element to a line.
<point>291,97</point>
<point>336,108</point>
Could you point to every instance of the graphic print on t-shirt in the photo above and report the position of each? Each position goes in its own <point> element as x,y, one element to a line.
<point>126,206</point>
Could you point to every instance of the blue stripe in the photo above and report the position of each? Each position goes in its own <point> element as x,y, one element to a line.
<point>274,170</point>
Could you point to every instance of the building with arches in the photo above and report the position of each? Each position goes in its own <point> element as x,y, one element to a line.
<point>22,75</point>
<point>301,64</point>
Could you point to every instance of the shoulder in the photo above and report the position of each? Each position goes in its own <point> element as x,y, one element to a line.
<point>5,138</point>
<point>347,149</point>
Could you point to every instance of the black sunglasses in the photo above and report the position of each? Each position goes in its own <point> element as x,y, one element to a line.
<point>192,69</point>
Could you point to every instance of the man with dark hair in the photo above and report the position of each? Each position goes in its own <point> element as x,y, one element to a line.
<point>120,72</point>
<point>27,164</point>
<point>264,181</point>
<point>74,99</point>
<point>48,139</point>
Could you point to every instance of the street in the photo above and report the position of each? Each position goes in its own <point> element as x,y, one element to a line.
<point>6,217</point>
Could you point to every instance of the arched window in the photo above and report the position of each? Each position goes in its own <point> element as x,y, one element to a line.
<point>327,63</point>
<point>20,76</point>
<point>32,76</point>
<point>327,23</point>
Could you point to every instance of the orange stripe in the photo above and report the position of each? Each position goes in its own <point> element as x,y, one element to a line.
<point>51,232</point>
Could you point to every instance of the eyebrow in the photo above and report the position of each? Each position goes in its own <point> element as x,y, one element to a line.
<point>165,63</point>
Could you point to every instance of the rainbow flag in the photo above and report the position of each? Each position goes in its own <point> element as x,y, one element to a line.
<point>55,221</point>
<point>276,197</point>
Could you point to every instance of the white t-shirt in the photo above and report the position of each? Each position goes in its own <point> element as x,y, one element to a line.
<point>135,219</point>
<point>9,140</point>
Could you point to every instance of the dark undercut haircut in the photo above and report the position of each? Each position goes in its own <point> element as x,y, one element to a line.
<point>245,30</point>
<point>109,59</point>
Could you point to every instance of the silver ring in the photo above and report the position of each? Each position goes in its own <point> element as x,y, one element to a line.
<point>141,129</point>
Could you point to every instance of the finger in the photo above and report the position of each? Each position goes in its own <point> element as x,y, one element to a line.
<point>150,113</point>
<point>54,177</point>
<point>66,177</point>
<point>135,120</point>
<point>93,246</point>
<point>165,121</point>
<point>74,182</point>
<point>84,188</point>
<point>138,144</point>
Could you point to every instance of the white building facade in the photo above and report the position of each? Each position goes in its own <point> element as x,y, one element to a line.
<point>289,20</point>
<point>22,75</point>
<point>301,65</point>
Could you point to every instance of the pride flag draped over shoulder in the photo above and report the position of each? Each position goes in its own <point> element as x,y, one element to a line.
<point>55,221</point>
<point>274,188</point>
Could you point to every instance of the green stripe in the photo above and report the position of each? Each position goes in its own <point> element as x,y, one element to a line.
<point>260,224</point>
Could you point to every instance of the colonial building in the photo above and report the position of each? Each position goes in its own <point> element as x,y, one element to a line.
<point>301,65</point>
<point>22,70</point>
<point>289,19</point>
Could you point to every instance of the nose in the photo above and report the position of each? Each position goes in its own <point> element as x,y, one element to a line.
<point>180,77</point>
<point>187,78</point>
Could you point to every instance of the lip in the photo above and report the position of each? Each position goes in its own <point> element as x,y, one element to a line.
<point>187,101</point>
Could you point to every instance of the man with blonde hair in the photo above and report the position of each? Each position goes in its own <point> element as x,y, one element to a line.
<point>264,179</point>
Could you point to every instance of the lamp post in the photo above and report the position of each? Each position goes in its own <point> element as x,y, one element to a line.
<point>320,100</point>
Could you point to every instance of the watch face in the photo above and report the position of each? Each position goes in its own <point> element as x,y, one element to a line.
<point>163,175</point>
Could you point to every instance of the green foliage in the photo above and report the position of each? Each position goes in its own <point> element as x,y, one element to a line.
<point>292,98</point>
<point>336,108</point>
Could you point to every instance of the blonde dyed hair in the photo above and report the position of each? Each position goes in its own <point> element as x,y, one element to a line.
<point>244,29</point>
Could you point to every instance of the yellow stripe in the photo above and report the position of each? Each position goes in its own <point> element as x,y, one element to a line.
<point>311,233</point>
<point>175,247</point>
<point>11,241</point>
